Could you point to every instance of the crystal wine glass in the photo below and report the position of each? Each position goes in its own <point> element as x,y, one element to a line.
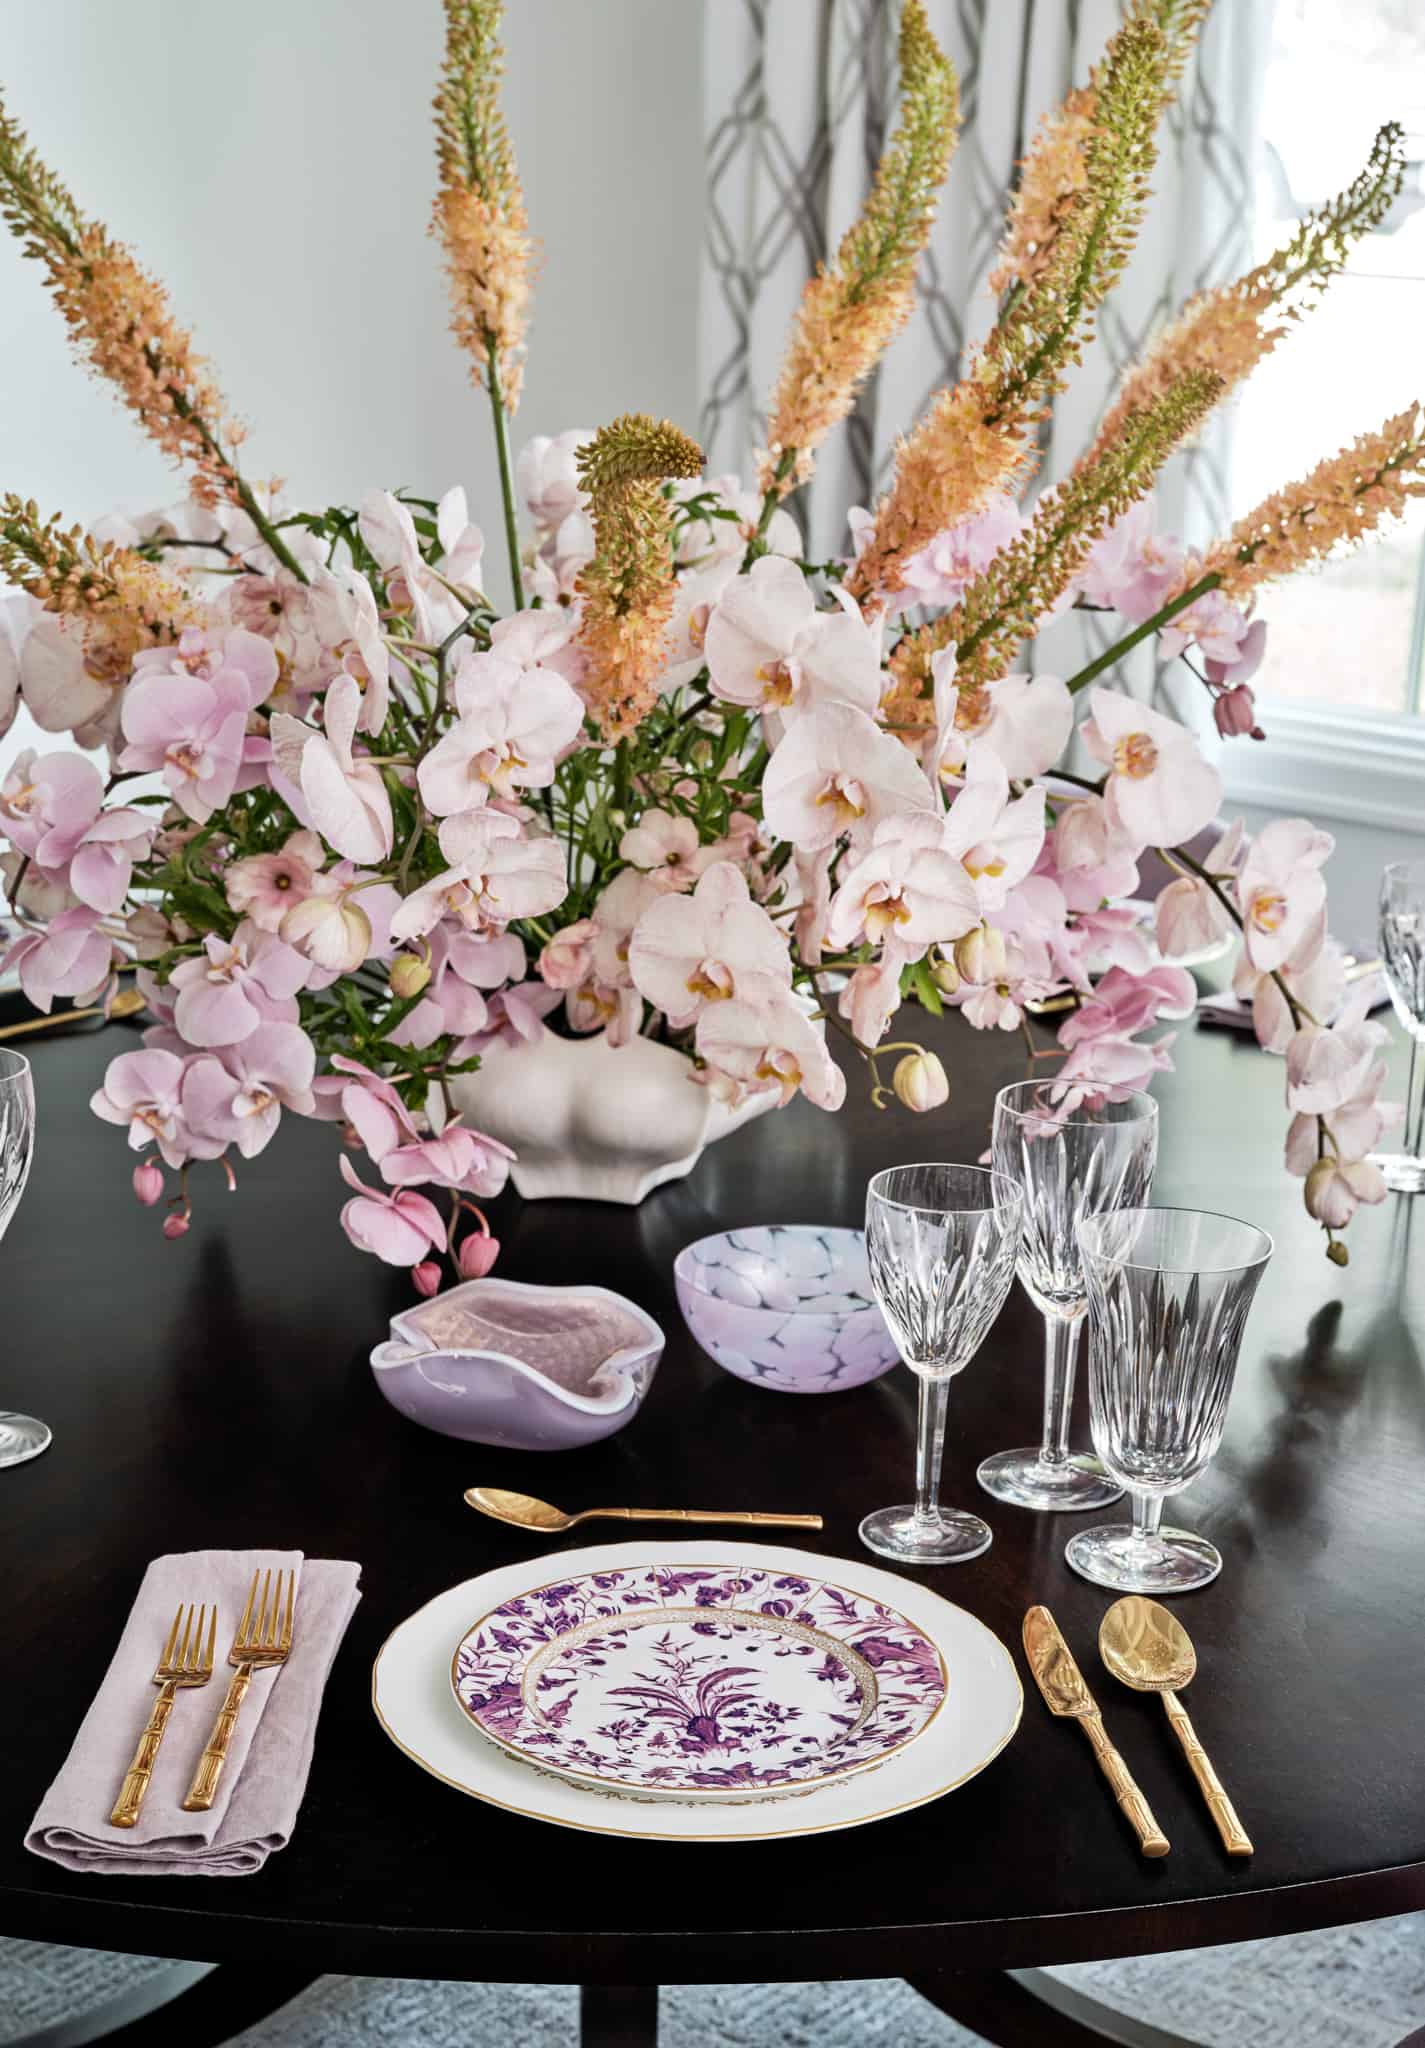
<point>1402,948</point>
<point>941,1242</point>
<point>1169,1292</point>
<point>1068,1168</point>
<point>21,1436</point>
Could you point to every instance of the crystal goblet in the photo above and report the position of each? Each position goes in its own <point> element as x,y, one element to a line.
<point>941,1242</point>
<point>1169,1292</point>
<point>21,1436</point>
<point>1068,1167</point>
<point>1402,949</point>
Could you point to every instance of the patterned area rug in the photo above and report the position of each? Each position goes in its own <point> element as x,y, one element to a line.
<point>1351,1987</point>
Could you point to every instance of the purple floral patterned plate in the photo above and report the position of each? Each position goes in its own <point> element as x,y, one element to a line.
<point>698,1682</point>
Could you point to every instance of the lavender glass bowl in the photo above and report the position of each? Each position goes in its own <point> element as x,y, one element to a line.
<point>529,1368</point>
<point>788,1306</point>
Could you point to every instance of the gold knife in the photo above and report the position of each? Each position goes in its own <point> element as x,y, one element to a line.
<point>1062,1684</point>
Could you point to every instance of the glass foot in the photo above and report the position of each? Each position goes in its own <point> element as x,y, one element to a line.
<point>21,1437</point>
<point>1402,1173</point>
<point>1027,1480</point>
<point>1172,1561</point>
<point>950,1538</point>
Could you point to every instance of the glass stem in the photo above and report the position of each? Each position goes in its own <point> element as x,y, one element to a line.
<point>930,1448</point>
<point>1061,1344</point>
<point>1147,1514</point>
<point>1414,1128</point>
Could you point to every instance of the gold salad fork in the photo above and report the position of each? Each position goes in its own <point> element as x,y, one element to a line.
<point>189,1662</point>
<point>264,1637</point>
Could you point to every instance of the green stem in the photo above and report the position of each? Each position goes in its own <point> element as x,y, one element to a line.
<point>507,485</point>
<point>757,546</point>
<point>1161,617</point>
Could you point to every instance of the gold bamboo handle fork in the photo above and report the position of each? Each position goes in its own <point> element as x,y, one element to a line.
<point>264,1637</point>
<point>183,1663</point>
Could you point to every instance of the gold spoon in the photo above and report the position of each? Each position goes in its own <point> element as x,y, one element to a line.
<point>1149,1649</point>
<point>127,1003</point>
<point>525,1512</point>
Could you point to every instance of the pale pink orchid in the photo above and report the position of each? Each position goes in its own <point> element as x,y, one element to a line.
<point>186,715</point>
<point>1026,719</point>
<point>1316,978</point>
<point>563,556</point>
<point>769,648</point>
<point>837,773</point>
<point>401,1229</point>
<point>1123,1003</point>
<point>568,958</point>
<point>1281,893</point>
<point>1187,914</point>
<point>47,804</point>
<point>1222,632</point>
<point>1160,790</point>
<point>712,537</point>
<point>665,847</point>
<point>464,968</point>
<point>348,628</point>
<point>329,926</point>
<point>1132,569</point>
<point>462,546</point>
<point>603,997</point>
<point>233,986</point>
<point>510,873</point>
<point>346,798</point>
<point>14,626</point>
<point>995,837</point>
<point>1237,669</point>
<point>513,725</point>
<point>770,1045</point>
<point>906,885</point>
<point>150,933</point>
<point>236,1097</point>
<point>1086,842</point>
<point>811,893</point>
<point>142,1092</point>
<point>453,1157</point>
<point>265,886</point>
<point>1111,936</point>
<point>1335,1188</point>
<point>287,613</point>
<point>616,1009</point>
<point>1109,1068</point>
<point>936,576</point>
<point>64,687</point>
<point>1329,1066</point>
<point>102,865</point>
<point>547,473</point>
<point>389,532</point>
<point>872,995</point>
<point>689,951</point>
<point>41,893</point>
<point>694,601</point>
<point>70,957</point>
<point>515,1016</point>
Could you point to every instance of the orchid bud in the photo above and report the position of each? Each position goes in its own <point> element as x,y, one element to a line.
<point>944,973</point>
<point>176,1225</point>
<point>409,975</point>
<point>1235,713</point>
<point>980,955</point>
<point>1337,1253</point>
<point>919,1080</point>
<point>148,1183</point>
<point>425,1278</point>
<point>477,1253</point>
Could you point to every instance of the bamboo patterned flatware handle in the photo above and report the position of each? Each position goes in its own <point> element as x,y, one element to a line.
<point>204,1788</point>
<point>1134,1807</point>
<point>754,1516</point>
<point>1235,1839</point>
<point>129,1804</point>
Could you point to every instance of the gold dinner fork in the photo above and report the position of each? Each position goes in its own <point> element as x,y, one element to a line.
<point>263,1637</point>
<point>189,1662</point>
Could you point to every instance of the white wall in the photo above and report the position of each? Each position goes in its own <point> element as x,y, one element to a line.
<point>273,165</point>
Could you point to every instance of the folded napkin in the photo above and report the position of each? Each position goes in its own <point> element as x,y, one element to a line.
<point>1230,1013</point>
<point>271,1751</point>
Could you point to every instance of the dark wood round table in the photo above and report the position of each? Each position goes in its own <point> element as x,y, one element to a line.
<point>216,1392</point>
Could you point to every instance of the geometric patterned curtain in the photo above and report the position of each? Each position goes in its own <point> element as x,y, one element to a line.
<point>799,98</point>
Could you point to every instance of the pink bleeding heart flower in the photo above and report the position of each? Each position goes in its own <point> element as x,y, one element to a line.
<point>237,1096</point>
<point>1160,790</point>
<point>837,773</point>
<point>265,886</point>
<point>768,647</point>
<point>225,993</point>
<point>402,1229</point>
<point>47,804</point>
<point>70,957</point>
<point>688,951</point>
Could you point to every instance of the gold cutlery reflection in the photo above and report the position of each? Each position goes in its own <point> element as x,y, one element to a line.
<point>1061,1682</point>
<point>1149,1649</point>
<point>263,1638</point>
<point>523,1511</point>
<point>182,1663</point>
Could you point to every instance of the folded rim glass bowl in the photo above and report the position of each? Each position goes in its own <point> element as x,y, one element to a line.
<point>530,1368</point>
<point>787,1306</point>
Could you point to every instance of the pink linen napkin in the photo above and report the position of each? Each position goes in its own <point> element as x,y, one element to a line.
<point>265,1775</point>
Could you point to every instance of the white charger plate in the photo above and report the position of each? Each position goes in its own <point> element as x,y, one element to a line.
<point>413,1701</point>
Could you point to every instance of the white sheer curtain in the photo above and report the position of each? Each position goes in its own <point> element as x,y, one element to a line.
<point>799,97</point>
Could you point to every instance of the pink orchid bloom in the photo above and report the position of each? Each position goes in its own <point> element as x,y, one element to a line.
<point>568,958</point>
<point>1160,791</point>
<point>389,532</point>
<point>232,987</point>
<point>995,837</point>
<point>768,646</point>
<point>185,715</point>
<point>266,885</point>
<point>936,576</point>
<point>462,546</point>
<point>510,873</point>
<point>70,957</point>
<point>1108,1068</point>
<point>463,966</point>
<point>1316,977</point>
<point>237,1097</point>
<point>348,627</point>
<point>811,893</point>
<point>665,847</point>
<point>707,540</point>
<point>451,1158</point>
<point>693,603</point>
<point>1329,1066</point>
<point>401,1229</point>
<point>1281,893</point>
<point>1026,719</point>
<point>772,1044</point>
<point>907,886</point>
<point>688,951</point>
<point>1335,1189</point>
<point>616,914</point>
<point>1220,630</point>
<point>1132,570</point>
<point>142,1091</point>
<point>547,473</point>
<point>1187,914</point>
<point>515,1016</point>
<point>14,626</point>
<point>41,893</point>
<point>63,686</point>
<point>330,927</point>
<point>1124,1003</point>
<point>513,725</point>
<point>1238,669</point>
<point>872,995</point>
<point>47,804</point>
<point>837,773</point>
<point>564,553</point>
<point>1110,937</point>
<point>345,797</point>
<point>539,639</point>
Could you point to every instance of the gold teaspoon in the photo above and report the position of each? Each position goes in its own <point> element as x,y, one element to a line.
<point>1149,1649</point>
<point>523,1511</point>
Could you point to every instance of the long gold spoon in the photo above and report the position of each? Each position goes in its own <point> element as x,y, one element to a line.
<point>127,1003</point>
<point>523,1511</point>
<point>1149,1649</point>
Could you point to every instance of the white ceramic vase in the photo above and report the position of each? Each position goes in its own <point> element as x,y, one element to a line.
<point>593,1122</point>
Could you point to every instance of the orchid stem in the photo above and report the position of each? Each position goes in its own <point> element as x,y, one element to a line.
<point>507,488</point>
<point>1162,617</point>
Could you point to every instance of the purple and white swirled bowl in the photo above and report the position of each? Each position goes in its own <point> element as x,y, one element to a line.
<point>787,1306</point>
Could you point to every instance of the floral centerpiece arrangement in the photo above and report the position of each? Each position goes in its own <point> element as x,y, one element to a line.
<point>691,785</point>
